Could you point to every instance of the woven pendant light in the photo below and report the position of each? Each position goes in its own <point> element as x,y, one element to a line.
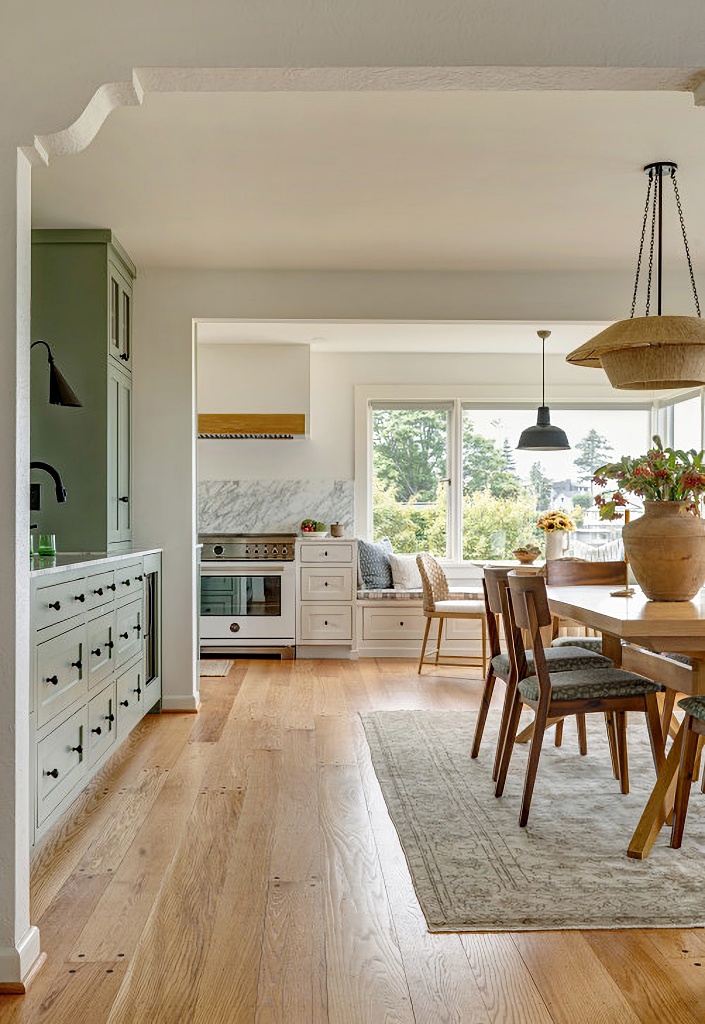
<point>651,352</point>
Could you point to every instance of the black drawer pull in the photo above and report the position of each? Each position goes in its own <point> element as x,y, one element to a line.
<point>326,622</point>
<point>77,664</point>
<point>137,627</point>
<point>325,584</point>
<point>80,597</point>
<point>125,497</point>
<point>124,703</point>
<point>54,773</point>
<point>109,718</point>
<point>78,749</point>
<point>99,591</point>
<point>110,644</point>
<point>96,652</point>
<point>124,356</point>
<point>124,635</point>
<point>110,586</point>
<point>53,680</point>
<point>140,578</point>
<point>138,691</point>
<point>55,604</point>
<point>97,730</point>
<point>325,553</point>
<point>401,623</point>
<point>125,583</point>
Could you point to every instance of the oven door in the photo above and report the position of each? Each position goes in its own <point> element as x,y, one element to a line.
<point>247,603</point>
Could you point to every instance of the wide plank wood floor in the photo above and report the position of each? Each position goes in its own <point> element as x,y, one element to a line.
<point>239,866</point>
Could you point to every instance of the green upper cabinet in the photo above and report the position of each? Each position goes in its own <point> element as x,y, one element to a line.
<point>82,307</point>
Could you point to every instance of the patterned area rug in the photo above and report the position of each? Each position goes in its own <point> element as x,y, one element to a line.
<point>214,667</point>
<point>474,869</point>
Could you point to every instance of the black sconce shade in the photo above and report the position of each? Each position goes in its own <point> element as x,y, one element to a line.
<point>60,391</point>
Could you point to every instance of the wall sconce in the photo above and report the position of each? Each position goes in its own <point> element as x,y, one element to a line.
<point>60,391</point>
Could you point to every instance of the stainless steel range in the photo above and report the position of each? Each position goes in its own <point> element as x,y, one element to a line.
<point>248,593</point>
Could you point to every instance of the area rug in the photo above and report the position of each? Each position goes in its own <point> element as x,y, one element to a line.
<point>214,667</point>
<point>475,870</point>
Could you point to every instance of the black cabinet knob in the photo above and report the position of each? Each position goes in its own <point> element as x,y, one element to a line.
<point>97,730</point>
<point>77,664</point>
<point>111,586</point>
<point>109,718</point>
<point>140,578</point>
<point>53,680</point>
<point>124,498</point>
<point>54,773</point>
<point>124,635</point>
<point>110,644</point>
<point>96,652</point>
<point>78,749</point>
<point>138,691</point>
<point>401,623</point>
<point>55,604</point>
<point>137,627</point>
<point>99,591</point>
<point>325,584</point>
<point>124,356</point>
<point>326,622</point>
<point>80,597</point>
<point>124,703</point>
<point>125,583</point>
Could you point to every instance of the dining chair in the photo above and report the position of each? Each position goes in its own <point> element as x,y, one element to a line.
<point>560,694</point>
<point>501,666</point>
<point>694,731</point>
<point>438,604</point>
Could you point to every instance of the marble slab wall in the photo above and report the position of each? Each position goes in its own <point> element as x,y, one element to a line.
<point>272,506</point>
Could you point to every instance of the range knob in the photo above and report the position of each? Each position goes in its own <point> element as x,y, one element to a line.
<point>218,549</point>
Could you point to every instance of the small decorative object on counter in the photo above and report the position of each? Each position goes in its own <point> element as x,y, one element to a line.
<point>313,527</point>
<point>47,544</point>
<point>556,525</point>
<point>337,530</point>
<point>527,553</point>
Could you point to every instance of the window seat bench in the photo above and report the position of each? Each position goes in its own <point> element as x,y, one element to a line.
<point>390,624</point>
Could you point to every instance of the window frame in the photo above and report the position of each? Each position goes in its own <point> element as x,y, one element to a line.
<point>459,400</point>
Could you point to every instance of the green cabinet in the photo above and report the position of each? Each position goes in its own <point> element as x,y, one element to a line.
<point>82,307</point>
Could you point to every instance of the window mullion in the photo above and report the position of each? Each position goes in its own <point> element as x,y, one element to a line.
<point>455,488</point>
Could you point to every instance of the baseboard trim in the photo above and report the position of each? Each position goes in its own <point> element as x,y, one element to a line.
<point>19,965</point>
<point>189,703</point>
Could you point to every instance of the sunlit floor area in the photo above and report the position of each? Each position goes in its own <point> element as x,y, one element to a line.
<point>239,865</point>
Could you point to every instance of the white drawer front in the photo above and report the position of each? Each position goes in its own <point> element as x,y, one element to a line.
<point>462,629</point>
<point>332,584</point>
<point>58,602</point>
<point>61,761</point>
<point>62,673</point>
<point>321,622</point>
<point>100,589</point>
<point>315,553</point>
<point>129,580</point>
<point>130,699</point>
<point>128,627</point>
<point>101,648</point>
<point>102,723</point>
<point>393,624</point>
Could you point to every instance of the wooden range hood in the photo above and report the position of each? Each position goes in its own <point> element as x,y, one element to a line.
<point>245,426</point>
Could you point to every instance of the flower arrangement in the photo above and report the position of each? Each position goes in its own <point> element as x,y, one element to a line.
<point>663,474</point>
<point>550,522</point>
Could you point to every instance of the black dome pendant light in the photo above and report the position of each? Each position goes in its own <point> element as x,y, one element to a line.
<point>544,437</point>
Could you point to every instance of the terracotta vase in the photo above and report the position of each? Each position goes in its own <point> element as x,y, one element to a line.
<point>666,550</point>
<point>556,544</point>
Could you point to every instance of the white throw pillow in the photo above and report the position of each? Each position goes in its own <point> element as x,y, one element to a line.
<point>405,572</point>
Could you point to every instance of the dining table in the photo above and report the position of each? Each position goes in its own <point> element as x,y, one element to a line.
<point>637,634</point>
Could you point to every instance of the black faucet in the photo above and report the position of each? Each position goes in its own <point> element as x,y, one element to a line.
<point>54,474</point>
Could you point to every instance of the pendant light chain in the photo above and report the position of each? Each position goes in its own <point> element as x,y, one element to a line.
<point>650,276</point>
<point>685,244</point>
<point>641,245</point>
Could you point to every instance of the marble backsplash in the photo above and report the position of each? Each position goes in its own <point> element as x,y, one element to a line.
<point>273,506</point>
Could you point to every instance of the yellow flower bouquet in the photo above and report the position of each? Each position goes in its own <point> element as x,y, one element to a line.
<point>550,522</point>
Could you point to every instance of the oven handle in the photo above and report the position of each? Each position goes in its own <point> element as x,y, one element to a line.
<point>249,569</point>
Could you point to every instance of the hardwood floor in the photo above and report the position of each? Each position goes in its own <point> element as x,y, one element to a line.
<point>239,866</point>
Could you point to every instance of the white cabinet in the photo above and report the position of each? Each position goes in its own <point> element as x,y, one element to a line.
<point>326,573</point>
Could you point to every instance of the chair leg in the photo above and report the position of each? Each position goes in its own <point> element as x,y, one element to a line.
<point>441,620</point>
<point>612,740</point>
<point>559,733</point>
<point>620,725</point>
<point>655,727</point>
<point>483,626</point>
<point>508,744</point>
<point>685,777</point>
<point>425,641</point>
<point>482,713</point>
<point>533,763</point>
<point>582,734</point>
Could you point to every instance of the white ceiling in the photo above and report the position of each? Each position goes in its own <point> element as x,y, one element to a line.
<point>443,181</point>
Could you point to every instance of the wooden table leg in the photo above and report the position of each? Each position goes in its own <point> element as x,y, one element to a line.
<point>660,803</point>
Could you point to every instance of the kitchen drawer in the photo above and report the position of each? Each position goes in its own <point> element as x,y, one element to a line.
<point>129,580</point>
<point>326,622</point>
<point>101,647</point>
<point>130,699</point>
<point>128,631</point>
<point>100,589</point>
<point>62,672</point>
<point>61,762</point>
<point>393,624</point>
<point>317,552</point>
<point>58,602</point>
<point>102,723</point>
<point>327,584</point>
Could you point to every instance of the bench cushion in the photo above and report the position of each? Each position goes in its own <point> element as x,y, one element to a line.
<point>395,594</point>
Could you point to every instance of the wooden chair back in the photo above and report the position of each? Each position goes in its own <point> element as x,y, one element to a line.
<point>433,582</point>
<point>571,573</point>
<point>495,577</point>
<point>520,588</point>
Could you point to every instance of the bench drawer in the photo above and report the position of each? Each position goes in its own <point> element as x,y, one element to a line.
<point>393,624</point>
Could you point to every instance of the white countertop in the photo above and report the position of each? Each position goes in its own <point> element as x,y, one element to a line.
<point>44,565</point>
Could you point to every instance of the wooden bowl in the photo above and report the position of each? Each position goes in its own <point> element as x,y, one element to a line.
<point>525,557</point>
